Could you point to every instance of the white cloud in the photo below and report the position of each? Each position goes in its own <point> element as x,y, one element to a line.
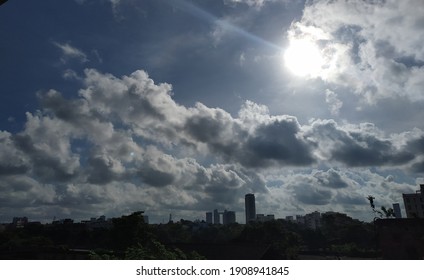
<point>114,4</point>
<point>333,102</point>
<point>70,74</point>
<point>252,3</point>
<point>372,46</point>
<point>70,52</point>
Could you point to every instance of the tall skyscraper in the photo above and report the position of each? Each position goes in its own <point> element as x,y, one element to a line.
<point>216,219</point>
<point>228,217</point>
<point>250,208</point>
<point>209,217</point>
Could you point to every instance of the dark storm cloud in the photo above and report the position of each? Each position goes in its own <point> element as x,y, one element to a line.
<point>416,147</point>
<point>101,169</point>
<point>7,169</point>
<point>67,110</point>
<point>360,150</point>
<point>23,191</point>
<point>12,161</point>
<point>277,142</point>
<point>156,178</point>
<point>355,148</point>
<point>215,128</point>
<point>45,167</point>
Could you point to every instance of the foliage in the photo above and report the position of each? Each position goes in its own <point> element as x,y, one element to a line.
<point>129,230</point>
<point>131,238</point>
<point>157,251</point>
<point>286,243</point>
<point>102,255</point>
<point>385,212</point>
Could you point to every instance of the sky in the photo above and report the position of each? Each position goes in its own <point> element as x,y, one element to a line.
<point>181,107</point>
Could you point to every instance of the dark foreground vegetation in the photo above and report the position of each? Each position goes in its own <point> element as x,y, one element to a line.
<point>128,237</point>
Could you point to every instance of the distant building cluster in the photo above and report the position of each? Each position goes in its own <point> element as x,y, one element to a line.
<point>311,220</point>
<point>413,202</point>
<point>19,222</point>
<point>228,217</point>
<point>100,222</point>
<point>315,219</point>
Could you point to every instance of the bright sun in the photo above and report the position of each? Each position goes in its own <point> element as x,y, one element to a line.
<point>303,58</point>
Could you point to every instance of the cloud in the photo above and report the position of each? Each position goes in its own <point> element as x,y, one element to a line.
<point>334,103</point>
<point>251,3</point>
<point>12,161</point>
<point>344,190</point>
<point>331,179</point>
<point>355,146</point>
<point>151,113</point>
<point>70,52</point>
<point>23,191</point>
<point>319,187</point>
<point>91,147</point>
<point>115,4</point>
<point>124,143</point>
<point>308,194</point>
<point>119,109</point>
<point>416,147</point>
<point>371,46</point>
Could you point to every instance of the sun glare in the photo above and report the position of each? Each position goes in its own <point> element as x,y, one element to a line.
<point>303,58</point>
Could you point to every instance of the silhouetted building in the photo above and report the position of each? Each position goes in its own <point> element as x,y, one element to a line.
<point>289,218</point>
<point>414,203</point>
<point>263,218</point>
<point>400,239</point>
<point>146,219</point>
<point>313,220</point>
<point>300,219</point>
<point>19,222</point>
<point>96,223</point>
<point>228,217</point>
<point>209,217</point>
<point>216,219</point>
<point>396,210</point>
<point>250,208</point>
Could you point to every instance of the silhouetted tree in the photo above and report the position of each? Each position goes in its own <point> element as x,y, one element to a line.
<point>386,212</point>
<point>129,231</point>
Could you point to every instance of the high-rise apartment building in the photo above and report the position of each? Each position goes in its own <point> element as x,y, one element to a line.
<point>414,203</point>
<point>396,210</point>
<point>250,208</point>
<point>228,217</point>
<point>209,217</point>
<point>216,219</point>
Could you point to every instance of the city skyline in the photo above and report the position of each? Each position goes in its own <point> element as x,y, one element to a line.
<point>229,216</point>
<point>184,106</point>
